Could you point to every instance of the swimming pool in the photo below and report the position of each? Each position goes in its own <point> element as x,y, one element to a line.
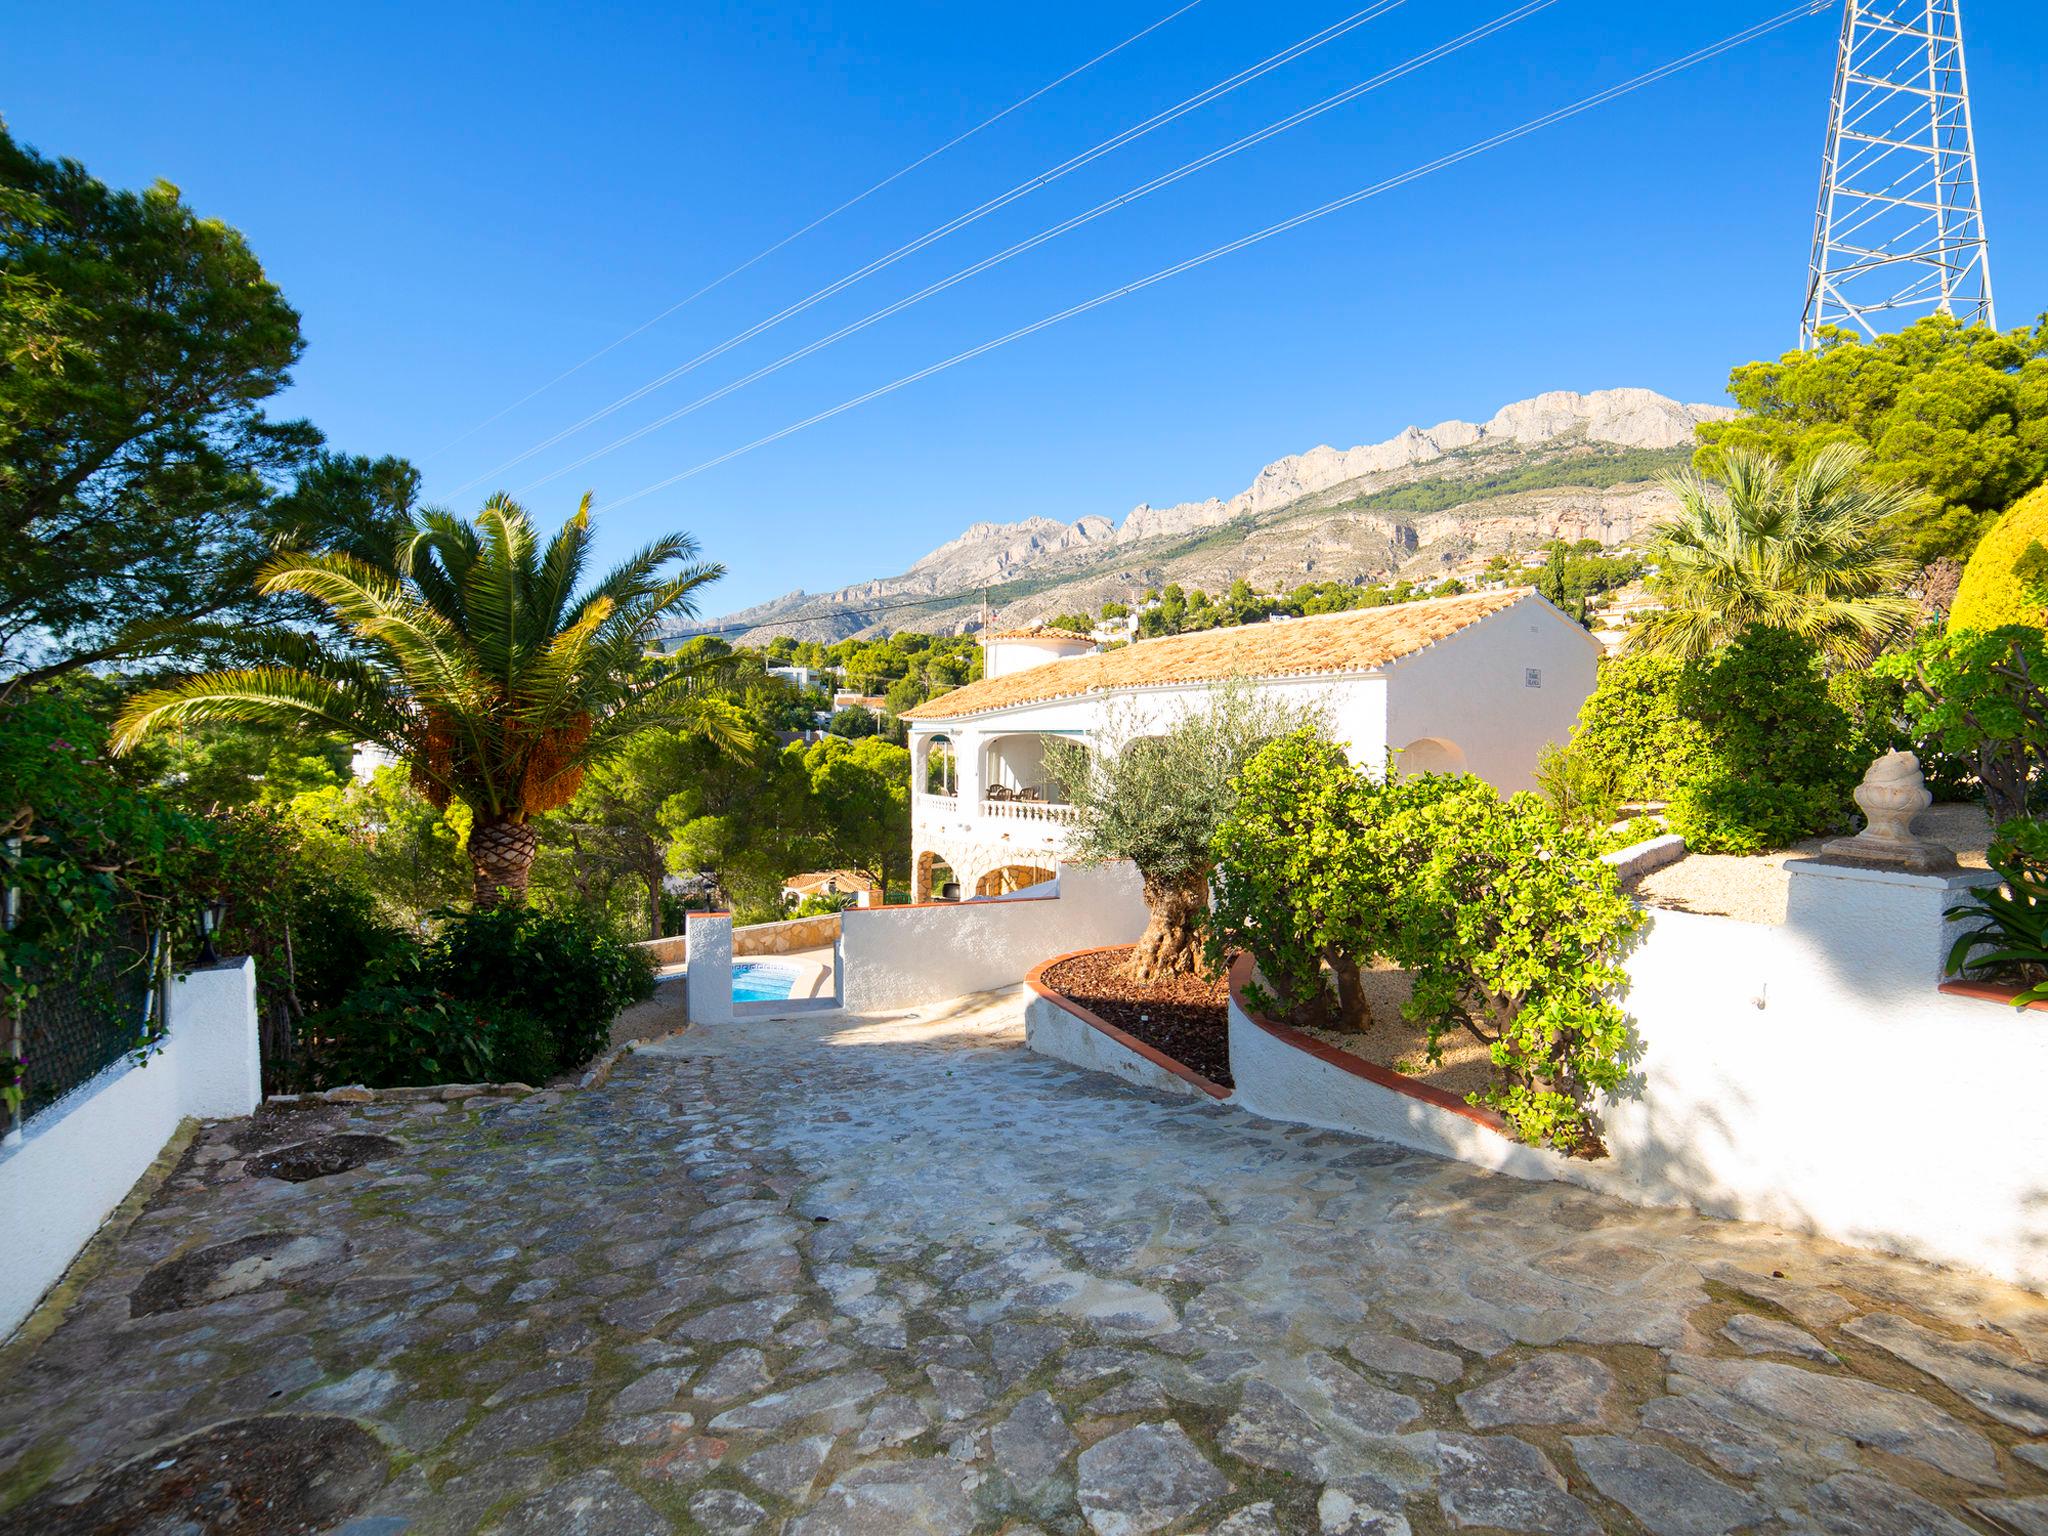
<point>762,981</point>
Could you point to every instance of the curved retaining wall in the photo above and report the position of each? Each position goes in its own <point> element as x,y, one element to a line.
<point>1056,1026</point>
<point>1284,1074</point>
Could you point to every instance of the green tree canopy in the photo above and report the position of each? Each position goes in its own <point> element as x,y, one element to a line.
<point>136,462</point>
<point>1960,412</point>
<point>860,795</point>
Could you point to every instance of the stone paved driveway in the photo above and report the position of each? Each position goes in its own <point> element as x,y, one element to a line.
<point>898,1277</point>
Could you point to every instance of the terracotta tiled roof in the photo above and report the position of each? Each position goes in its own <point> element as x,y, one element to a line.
<point>1038,632</point>
<point>1358,641</point>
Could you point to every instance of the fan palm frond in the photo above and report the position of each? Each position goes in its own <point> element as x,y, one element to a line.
<point>1809,551</point>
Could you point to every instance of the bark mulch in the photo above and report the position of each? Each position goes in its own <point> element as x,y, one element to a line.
<point>1185,1017</point>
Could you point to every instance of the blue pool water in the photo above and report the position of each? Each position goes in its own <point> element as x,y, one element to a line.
<point>760,981</point>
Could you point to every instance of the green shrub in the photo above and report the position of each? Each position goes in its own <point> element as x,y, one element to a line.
<point>1631,732</point>
<point>1980,697</point>
<point>1510,926</point>
<point>1514,932</point>
<point>2001,583</point>
<point>337,942</point>
<point>1297,881</point>
<point>1779,758</point>
<point>2009,933</point>
<point>564,968</point>
<point>1580,785</point>
<point>822,904</point>
<point>397,1028</point>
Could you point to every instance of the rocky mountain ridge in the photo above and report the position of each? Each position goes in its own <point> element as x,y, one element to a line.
<point>1394,507</point>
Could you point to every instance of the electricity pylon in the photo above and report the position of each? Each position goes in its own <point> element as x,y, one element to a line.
<point>1899,229</point>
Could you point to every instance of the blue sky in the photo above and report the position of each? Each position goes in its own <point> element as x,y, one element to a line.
<point>464,200</point>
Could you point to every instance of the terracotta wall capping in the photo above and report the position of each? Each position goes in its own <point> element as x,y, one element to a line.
<point>1357,1066</point>
<point>922,906</point>
<point>1036,981</point>
<point>2001,992</point>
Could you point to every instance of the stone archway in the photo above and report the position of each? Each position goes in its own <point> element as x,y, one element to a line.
<point>1431,754</point>
<point>1005,878</point>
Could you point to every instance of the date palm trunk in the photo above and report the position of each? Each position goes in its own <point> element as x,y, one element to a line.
<point>1171,944</point>
<point>501,859</point>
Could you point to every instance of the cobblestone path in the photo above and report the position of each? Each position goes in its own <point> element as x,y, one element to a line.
<point>903,1277</point>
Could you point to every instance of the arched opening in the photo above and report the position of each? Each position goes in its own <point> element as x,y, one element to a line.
<point>931,878</point>
<point>937,770</point>
<point>1431,754</point>
<point>1011,878</point>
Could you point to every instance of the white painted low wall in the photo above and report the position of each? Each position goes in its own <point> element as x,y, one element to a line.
<point>1808,1075</point>
<point>1284,1081</point>
<point>1811,1075</point>
<point>78,1159</point>
<point>707,984</point>
<point>1054,1031</point>
<point>898,957</point>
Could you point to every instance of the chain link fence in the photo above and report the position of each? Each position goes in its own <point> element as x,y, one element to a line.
<point>80,1022</point>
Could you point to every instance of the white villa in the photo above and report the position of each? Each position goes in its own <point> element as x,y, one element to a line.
<point>1476,683</point>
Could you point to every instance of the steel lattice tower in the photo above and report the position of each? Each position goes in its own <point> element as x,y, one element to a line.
<point>1899,228</point>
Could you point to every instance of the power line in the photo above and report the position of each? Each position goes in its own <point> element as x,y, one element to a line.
<point>1335,205</point>
<point>1121,200</point>
<point>823,218</point>
<point>1044,178</point>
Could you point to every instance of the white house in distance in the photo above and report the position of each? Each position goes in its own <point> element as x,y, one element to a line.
<point>1476,683</point>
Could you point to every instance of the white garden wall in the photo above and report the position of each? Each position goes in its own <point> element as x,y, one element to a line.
<point>1808,1075</point>
<point>898,957</point>
<point>77,1160</point>
<point>1811,1075</point>
<point>707,983</point>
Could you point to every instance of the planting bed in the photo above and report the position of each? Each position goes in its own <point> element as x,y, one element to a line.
<point>1185,1017</point>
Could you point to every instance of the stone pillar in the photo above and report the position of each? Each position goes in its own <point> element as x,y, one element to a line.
<point>707,979</point>
<point>1879,932</point>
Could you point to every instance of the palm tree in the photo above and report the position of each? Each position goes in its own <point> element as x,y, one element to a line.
<point>477,662</point>
<point>1807,550</point>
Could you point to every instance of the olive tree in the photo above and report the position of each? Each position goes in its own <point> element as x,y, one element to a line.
<point>1154,790</point>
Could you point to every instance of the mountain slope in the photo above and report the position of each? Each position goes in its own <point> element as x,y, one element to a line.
<point>1561,465</point>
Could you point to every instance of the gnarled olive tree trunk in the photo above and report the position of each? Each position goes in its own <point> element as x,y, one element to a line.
<point>1171,944</point>
<point>501,858</point>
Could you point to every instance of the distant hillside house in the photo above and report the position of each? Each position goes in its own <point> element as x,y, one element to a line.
<point>1470,684</point>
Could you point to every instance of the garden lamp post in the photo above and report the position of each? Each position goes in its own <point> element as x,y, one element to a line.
<point>211,916</point>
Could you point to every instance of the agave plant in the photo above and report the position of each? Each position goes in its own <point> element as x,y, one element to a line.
<point>480,662</point>
<point>1809,550</point>
<point>2008,936</point>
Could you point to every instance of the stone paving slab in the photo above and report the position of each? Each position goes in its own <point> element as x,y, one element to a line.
<point>892,1276</point>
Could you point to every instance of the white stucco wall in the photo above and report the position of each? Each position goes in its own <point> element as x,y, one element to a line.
<point>897,957</point>
<point>1474,690</point>
<point>1284,1082</point>
<point>1808,1075</point>
<point>707,981</point>
<point>78,1159</point>
<point>1051,1030</point>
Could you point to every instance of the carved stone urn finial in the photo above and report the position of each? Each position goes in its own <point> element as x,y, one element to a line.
<point>1892,793</point>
